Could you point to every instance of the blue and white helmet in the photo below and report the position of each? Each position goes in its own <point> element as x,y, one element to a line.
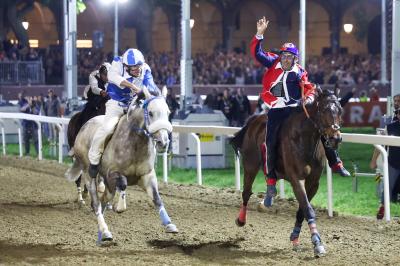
<point>132,57</point>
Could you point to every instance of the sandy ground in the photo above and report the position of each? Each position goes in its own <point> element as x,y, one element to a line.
<point>41,223</point>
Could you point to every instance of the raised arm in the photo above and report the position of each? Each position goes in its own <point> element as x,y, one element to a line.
<point>266,59</point>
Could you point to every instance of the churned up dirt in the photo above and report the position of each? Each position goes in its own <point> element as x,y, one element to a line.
<point>41,223</point>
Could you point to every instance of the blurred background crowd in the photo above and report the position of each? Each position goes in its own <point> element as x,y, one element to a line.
<point>218,67</point>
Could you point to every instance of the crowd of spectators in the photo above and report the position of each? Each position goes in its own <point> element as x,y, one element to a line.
<point>233,103</point>
<point>208,68</point>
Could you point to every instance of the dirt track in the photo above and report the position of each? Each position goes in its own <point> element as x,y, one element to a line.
<point>40,222</point>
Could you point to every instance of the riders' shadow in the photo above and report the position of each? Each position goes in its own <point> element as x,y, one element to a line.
<point>227,251</point>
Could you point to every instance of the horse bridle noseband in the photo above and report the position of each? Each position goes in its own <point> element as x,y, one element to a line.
<point>144,129</point>
<point>316,124</point>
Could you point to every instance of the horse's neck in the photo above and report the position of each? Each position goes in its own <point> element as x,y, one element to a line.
<point>300,125</point>
<point>135,117</point>
<point>130,123</point>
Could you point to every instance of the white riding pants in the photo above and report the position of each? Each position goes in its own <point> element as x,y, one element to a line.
<point>111,118</point>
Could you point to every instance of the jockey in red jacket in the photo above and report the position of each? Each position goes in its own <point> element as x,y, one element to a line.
<point>281,92</point>
<point>283,83</point>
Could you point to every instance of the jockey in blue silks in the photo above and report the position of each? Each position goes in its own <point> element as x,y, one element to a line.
<point>127,76</point>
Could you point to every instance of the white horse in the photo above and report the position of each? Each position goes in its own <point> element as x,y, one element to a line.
<point>128,158</point>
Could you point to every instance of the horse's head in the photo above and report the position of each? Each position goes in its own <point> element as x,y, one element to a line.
<point>329,117</point>
<point>156,121</point>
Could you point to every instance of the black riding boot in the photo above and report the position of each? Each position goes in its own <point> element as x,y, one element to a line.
<point>333,160</point>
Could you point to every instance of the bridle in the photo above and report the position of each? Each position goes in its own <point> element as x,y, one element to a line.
<point>145,129</point>
<point>318,123</point>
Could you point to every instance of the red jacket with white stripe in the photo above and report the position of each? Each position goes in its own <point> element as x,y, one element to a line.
<point>280,88</point>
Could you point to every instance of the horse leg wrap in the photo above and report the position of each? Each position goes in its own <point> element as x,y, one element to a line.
<point>99,235</point>
<point>243,214</point>
<point>164,216</point>
<point>295,233</point>
<point>312,226</point>
<point>316,239</point>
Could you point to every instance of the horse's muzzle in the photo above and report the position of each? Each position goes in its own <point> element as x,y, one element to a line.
<point>334,141</point>
<point>162,146</point>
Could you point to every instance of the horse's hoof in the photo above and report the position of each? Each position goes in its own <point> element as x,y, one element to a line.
<point>106,236</point>
<point>101,187</point>
<point>262,208</point>
<point>239,223</point>
<point>81,203</point>
<point>104,239</point>
<point>118,209</point>
<point>171,228</point>
<point>107,243</point>
<point>296,244</point>
<point>319,251</point>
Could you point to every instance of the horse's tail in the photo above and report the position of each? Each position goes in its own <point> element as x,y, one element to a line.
<point>74,171</point>
<point>237,140</point>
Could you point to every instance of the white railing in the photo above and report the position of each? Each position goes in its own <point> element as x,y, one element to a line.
<point>376,140</point>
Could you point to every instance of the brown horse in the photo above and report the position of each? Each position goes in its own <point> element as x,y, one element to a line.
<point>95,106</point>
<point>300,156</point>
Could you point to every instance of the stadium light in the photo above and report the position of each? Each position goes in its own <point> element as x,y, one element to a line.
<point>348,28</point>
<point>25,24</point>
<point>191,23</point>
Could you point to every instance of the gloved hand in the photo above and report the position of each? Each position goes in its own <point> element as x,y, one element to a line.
<point>306,101</point>
<point>103,93</point>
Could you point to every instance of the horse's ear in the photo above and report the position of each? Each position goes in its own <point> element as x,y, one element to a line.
<point>164,91</point>
<point>146,92</point>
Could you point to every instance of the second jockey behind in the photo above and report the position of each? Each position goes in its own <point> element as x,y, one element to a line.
<point>127,76</point>
<point>96,90</point>
<point>282,91</point>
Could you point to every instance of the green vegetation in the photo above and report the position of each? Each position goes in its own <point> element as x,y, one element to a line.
<point>364,202</point>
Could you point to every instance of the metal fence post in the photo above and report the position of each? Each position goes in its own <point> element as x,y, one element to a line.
<point>329,188</point>
<point>60,142</point>
<point>20,142</point>
<point>198,159</point>
<point>40,155</point>
<point>386,192</point>
<point>3,137</point>
<point>165,167</point>
<point>237,172</point>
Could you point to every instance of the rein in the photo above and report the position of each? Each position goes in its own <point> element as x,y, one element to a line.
<point>303,98</point>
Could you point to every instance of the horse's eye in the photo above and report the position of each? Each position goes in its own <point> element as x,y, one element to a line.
<point>151,114</point>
